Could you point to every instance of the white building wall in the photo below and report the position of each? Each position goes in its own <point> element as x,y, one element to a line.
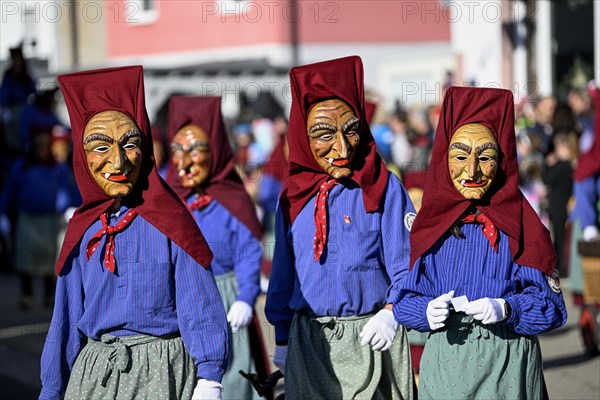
<point>476,35</point>
<point>544,48</point>
<point>411,73</point>
<point>27,20</point>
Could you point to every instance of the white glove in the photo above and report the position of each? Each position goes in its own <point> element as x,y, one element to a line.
<point>590,233</point>
<point>279,357</point>
<point>207,390</point>
<point>380,331</point>
<point>486,310</point>
<point>68,214</point>
<point>239,315</point>
<point>438,310</point>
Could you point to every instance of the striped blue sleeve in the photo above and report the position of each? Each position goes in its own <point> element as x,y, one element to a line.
<point>268,193</point>
<point>63,342</point>
<point>201,316</point>
<point>413,296</point>
<point>281,282</point>
<point>396,221</point>
<point>537,308</point>
<point>587,193</point>
<point>247,265</point>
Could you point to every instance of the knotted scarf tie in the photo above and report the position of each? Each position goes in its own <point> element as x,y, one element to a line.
<point>488,228</point>
<point>201,202</point>
<point>110,232</point>
<point>321,217</point>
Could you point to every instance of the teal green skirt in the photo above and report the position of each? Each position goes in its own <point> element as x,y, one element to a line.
<point>469,360</point>
<point>326,361</point>
<point>133,367</point>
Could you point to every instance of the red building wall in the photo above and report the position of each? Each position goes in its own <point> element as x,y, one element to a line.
<point>195,25</point>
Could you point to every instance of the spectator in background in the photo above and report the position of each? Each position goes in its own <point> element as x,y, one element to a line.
<point>62,152</point>
<point>581,104</point>
<point>39,114</point>
<point>383,138</point>
<point>433,118</point>
<point>558,178</point>
<point>61,144</point>
<point>41,189</point>
<point>17,86</point>
<point>401,148</point>
<point>530,176</point>
<point>540,133</point>
<point>274,174</point>
<point>274,171</point>
<point>449,81</point>
<point>420,141</point>
<point>262,132</point>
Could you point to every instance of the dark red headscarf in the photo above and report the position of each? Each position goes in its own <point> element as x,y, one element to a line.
<point>343,79</point>
<point>588,163</point>
<point>122,89</point>
<point>277,165</point>
<point>370,109</point>
<point>414,179</point>
<point>504,204</point>
<point>223,181</point>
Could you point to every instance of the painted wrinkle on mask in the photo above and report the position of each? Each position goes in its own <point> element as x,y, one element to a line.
<point>112,145</point>
<point>473,160</point>
<point>190,152</point>
<point>333,132</point>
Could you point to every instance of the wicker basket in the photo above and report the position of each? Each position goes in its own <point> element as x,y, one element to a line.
<point>590,262</point>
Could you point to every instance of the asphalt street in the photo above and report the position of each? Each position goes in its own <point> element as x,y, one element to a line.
<point>569,372</point>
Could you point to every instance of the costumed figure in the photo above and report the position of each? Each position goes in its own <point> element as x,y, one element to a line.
<point>137,312</point>
<point>483,279</point>
<point>39,114</point>
<point>40,189</point>
<point>341,230</point>
<point>17,85</point>
<point>584,271</point>
<point>202,173</point>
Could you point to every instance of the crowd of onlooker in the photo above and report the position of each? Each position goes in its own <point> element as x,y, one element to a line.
<point>38,187</point>
<point>39,193</point>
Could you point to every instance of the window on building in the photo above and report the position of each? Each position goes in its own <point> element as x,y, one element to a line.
<point>231,6</point>
<point>141,11</point>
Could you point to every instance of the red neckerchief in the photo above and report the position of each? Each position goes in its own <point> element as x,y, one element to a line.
<point>110,232</point>
<point>487,226</point>
<point>201,202</point>
<point>321,217</point>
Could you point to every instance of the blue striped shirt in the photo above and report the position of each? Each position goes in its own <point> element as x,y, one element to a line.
<point>364,254</point>
<point>471,267</point>
<point>37,189</point>
<point>158,289</point>
<point>234,248</point>
<point>268,193</point>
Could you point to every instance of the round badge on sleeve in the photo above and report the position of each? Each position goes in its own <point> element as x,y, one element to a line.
<point>409,218</point>
<point>554,282</point>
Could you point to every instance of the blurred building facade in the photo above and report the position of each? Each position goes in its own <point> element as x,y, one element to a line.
<point>226,47</point>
